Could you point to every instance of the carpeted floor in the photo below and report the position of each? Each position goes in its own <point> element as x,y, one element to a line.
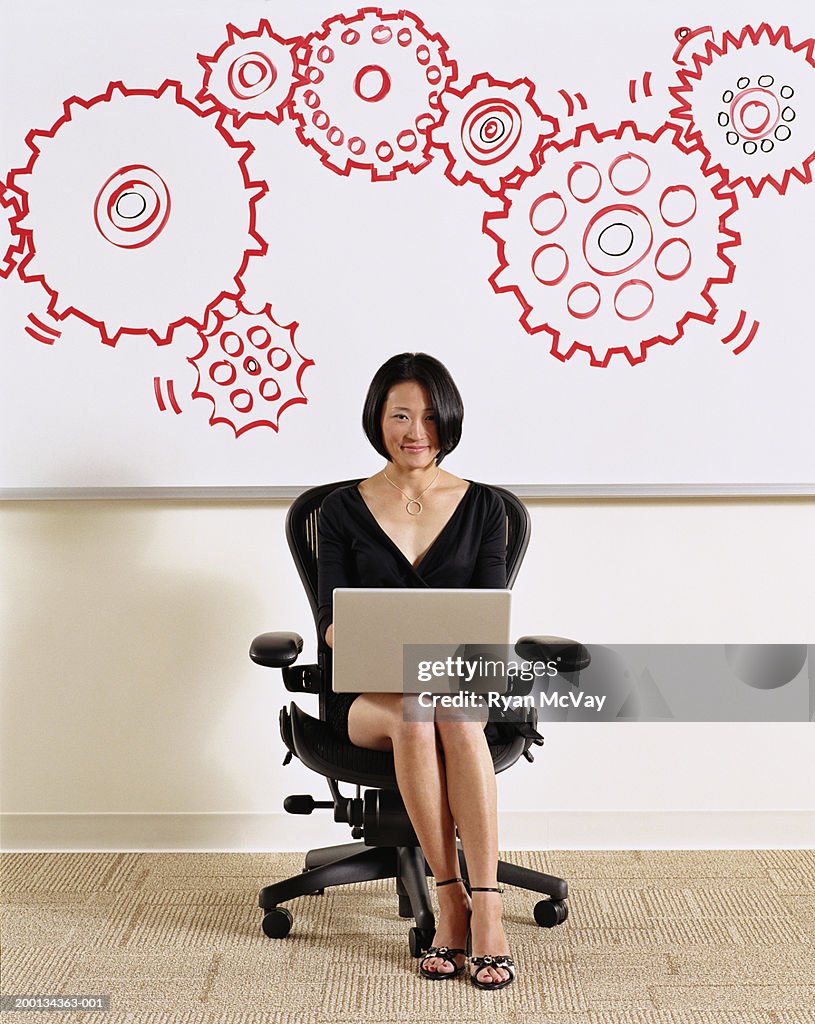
<point>654,937</point>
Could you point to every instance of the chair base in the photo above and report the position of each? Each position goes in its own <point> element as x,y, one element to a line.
<point>356,862</point>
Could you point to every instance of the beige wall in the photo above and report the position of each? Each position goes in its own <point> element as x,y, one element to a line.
<point>131,714</point>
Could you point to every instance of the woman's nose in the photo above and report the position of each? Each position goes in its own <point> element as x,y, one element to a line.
<point>416,431</point>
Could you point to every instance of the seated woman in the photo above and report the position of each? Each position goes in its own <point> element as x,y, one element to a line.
<point>414,524</point>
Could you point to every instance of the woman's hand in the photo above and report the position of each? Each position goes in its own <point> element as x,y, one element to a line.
<point>329,635</point>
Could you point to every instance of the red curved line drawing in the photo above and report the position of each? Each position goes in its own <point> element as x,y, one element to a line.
<point>44,327</point>
<point>171,395</point>
<point>739,324</point>
<point>581,99</point>
<point>632,90</point>
<point>569,102</point>
<point>646,83</point>
<point>40,337</point>
<point>157,390</point>
<point>748,340</point>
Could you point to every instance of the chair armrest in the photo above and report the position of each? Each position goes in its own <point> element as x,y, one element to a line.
<point>569,655</point>
<point>276,650</point>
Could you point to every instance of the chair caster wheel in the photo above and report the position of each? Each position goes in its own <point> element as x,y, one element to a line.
<point>549,913</point>
<point>277,922</point>
<point>419,939</point>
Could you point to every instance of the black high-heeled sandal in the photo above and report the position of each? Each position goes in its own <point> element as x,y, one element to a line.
<point>445,952</point>
<point>505,962</point>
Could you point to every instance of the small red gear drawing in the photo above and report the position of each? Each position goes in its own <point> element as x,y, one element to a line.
<point>251,75</point>
<point>249,368</point>
<point>615,243</point>
<point>491,131</point>
<point>11,244</point>
<point>748,104</point>
<point>370,92</point>
<point>121,200</point>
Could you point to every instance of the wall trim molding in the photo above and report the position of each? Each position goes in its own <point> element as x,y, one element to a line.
<point>519,830</point>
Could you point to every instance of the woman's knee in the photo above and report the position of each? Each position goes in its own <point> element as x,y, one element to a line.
<point>385,718</point>
<point>457,730</point>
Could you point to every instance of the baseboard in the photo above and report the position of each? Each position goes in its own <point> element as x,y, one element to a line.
<point>518,830</point>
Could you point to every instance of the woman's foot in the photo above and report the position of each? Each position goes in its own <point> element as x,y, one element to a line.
<point>489,939</point>
<point>454,924</point>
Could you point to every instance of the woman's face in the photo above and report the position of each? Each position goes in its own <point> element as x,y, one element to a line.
<point>409,427</point>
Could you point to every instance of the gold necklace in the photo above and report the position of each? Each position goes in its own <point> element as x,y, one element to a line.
<point>413,501</point>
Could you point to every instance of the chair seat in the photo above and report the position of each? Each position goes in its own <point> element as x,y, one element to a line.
<point>320,748</point>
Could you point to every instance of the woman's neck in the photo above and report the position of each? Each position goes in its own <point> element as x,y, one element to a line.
<point>412,480</point>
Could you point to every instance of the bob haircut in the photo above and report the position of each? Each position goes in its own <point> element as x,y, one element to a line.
<point>435,378</point>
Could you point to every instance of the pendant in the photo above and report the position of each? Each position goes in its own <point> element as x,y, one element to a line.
<point>417,503</point>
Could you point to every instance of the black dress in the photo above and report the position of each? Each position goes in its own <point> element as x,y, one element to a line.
<point>354,551</point>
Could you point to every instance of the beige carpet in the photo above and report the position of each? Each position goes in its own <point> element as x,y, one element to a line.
<point>723,937</point>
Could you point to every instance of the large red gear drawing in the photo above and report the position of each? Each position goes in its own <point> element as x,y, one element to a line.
<point>249,368</point>
<point>748,104</point>
<point>491,131</point>
<point>614,244</point>
<point>251,75</point>
<point>371,91</point>
<point>138,181</point>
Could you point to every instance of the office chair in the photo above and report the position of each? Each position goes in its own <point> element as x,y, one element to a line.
<point>387,846</point>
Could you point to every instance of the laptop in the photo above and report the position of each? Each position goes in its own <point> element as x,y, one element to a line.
<point>381,635</point>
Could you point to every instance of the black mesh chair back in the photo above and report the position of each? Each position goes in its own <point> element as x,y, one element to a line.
<point>303,521</point>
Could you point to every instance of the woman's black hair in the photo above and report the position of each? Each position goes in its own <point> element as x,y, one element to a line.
<point>435,378</point>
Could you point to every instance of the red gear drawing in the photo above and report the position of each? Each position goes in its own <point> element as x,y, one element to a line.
<point>249,368</point>
<point>748,104</point>
<point>137,182</point>
<point>251,75</point>
<point>491,132</point>
<point>614,244</point>
<point>370,92</point>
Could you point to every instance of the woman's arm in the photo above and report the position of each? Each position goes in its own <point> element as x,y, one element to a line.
<point>332,569</point>
<point>491,563</point>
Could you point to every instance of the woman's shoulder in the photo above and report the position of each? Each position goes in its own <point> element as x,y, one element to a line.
<point>337,502</point>
<point>486,494</point>
<point>482,503</point>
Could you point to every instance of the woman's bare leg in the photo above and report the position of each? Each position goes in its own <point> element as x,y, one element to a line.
<point>377,721</point>
<point>472,797</point>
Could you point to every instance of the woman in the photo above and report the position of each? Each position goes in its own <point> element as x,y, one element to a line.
<point>415,524</point>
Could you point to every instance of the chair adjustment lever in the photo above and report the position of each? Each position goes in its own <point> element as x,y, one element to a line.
<point>302,678</point>
<point>304,804</point>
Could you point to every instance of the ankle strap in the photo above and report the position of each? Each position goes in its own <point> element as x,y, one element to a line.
<point>449,881</point>
<point>482,888</point>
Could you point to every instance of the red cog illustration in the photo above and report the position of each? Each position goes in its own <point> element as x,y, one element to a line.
<point>370,92</point>
<point>615,243</point>
<point>249,368</point>
<point>491,132</point>
<point>137,182</point>
<point>251,75</point>
<point>748,104</point>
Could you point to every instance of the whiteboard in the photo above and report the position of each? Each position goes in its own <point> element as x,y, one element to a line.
<point>221,218</point>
